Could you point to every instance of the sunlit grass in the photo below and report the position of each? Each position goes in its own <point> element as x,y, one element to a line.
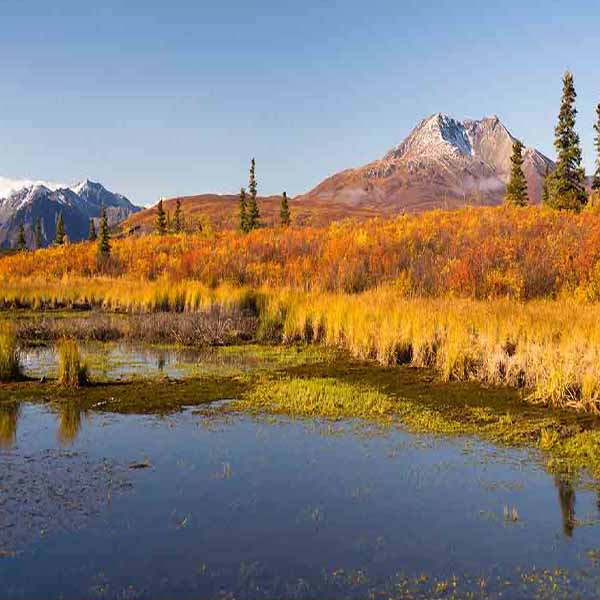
<point>72,370</point>
<point>322,397</point>
<point>10,366</point>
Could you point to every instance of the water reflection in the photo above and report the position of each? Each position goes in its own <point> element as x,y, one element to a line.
<point>70,416</point>
<point>230,503</point>
<point>566,498</point>
<point>9,416</point>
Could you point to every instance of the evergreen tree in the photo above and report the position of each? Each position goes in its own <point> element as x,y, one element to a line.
<point>567,186</point>
<point>103,236</point>
<point>92,232</point>
<point>596,179</point>
<point>178,219</point>
<point>284,211</point>
<point>21,242</point>
<point>545,185</point>
<point>38,233</point>
<point>161,219</point>
<point>253,214</point>
<point>59,238</point>
<point>516,190</point>
<point>243,212</point>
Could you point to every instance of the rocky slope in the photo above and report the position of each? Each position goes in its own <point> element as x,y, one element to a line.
<point>442,163</point>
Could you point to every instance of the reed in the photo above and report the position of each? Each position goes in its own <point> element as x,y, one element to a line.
<point>10,365</point>
<point>72,371</point>
<point>549,348</point>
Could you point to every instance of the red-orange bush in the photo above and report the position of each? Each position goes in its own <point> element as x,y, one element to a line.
<point>473,252</point>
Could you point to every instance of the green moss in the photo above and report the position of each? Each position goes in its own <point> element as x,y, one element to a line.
<point>134,397</point>
<point>316,397</point>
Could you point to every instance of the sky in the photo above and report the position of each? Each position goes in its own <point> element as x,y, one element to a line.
<point>174,98</point>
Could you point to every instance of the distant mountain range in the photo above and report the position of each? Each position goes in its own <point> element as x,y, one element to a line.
<point>442,163</point>
<point>78,204</point>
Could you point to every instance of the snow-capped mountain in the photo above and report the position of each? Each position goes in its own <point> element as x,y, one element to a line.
<point>78,204</point>
<point>442,162</point>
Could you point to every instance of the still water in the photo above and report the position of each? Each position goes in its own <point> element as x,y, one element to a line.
<point>201,505</point>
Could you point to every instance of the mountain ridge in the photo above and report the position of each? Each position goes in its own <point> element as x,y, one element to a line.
<point>78,204</point>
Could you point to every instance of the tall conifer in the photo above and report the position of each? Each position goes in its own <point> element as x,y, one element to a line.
<point>161,219</point>
<point>21,242</point>
<point>516,190</point>
<point>545,185</point>
<point>103,235</point>
<point>178,218</point>
<point>284,211</point>
<point>253,213</point>
<point>567,187</point>
<point>243,211</point>
<point>59,238</point>
<point>92,232</point>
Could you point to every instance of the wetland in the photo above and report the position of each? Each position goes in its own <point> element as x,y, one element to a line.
<point>271,471</point>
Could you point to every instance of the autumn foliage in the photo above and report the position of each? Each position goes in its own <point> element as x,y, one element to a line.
<point>474,252</point>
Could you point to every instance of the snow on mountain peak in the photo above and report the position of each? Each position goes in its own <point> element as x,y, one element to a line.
<point>9,186</point>
<point>434,137</point>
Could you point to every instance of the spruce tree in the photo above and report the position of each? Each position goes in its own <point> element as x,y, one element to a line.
<point>59,238</point>
<point>284,211</point>
<point>567,187</point>
<point>21,242</point>
<point>596,179</point>
<point>253,213</point>
<point>516,190</point>
<point>103,236</point>
<point>178,218</point>
<point>38,233</point>
<point>161,219</point>
<point>92,232</point>
<point>243,212</point>
<point>546,184</point>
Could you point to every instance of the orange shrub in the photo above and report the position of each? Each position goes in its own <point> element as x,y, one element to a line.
<point>473,252</point>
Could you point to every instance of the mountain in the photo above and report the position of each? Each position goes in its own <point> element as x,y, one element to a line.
<point>77,204</point>
<point>442,163</point>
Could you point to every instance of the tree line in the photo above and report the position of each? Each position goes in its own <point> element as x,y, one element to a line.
<point>249,213</point>
<point>564,188</point>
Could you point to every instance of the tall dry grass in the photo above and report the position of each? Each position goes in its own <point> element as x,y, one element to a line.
<point>72,370</point>
<point>550,348</point>
<point>10,365</point>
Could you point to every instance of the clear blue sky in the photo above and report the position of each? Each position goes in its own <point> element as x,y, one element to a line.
<point>172,97</point>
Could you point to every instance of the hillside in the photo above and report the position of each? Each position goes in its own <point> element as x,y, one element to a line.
<point>222,212</point>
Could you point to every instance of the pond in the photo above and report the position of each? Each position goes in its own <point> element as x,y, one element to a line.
<point>202,504</point>
<point>117,361</point>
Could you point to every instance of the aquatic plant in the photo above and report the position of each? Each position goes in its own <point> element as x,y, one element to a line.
<point>10,365</point>
<point>72,371</point>
<point>319,396</point>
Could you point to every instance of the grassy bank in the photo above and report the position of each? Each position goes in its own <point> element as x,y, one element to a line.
<point>549,348</point>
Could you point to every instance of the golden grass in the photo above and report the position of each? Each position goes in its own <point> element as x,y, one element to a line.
<point>72,371</point>
<point>551,348</point>
<point>119,294</point>
<point>10,366</point>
